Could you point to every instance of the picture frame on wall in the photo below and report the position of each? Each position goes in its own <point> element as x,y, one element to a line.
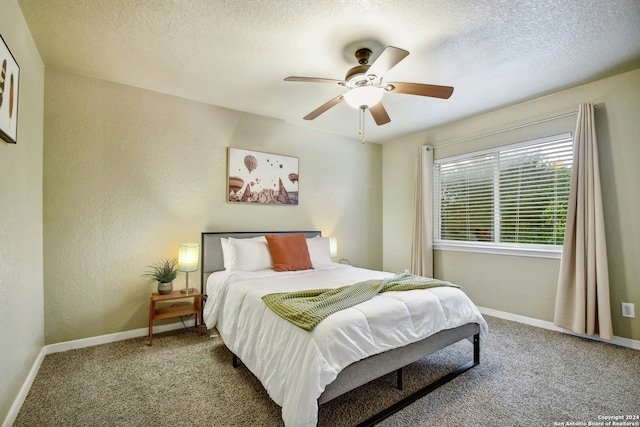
<point>261,178</point>
<point>9,83</point>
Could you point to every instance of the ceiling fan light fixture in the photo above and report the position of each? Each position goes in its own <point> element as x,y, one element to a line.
<point>366,87</point>
<point>365,96</point>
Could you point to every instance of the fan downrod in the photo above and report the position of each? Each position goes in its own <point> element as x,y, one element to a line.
<point>363,55</point>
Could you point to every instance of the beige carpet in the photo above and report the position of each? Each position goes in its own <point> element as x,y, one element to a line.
<point>527,377</point>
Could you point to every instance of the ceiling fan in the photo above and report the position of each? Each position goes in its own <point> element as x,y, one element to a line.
<point>366,86</point>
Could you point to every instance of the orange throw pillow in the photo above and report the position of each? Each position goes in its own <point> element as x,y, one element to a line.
<point>289,253</point>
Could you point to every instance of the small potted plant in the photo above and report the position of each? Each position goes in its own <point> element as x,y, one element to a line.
<point>163,272</point>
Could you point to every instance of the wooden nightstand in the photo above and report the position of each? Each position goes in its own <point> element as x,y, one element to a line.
<point>175,311</point>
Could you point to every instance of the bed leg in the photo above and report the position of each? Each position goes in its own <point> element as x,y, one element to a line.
<point>234,361</point>
<point>476,349</point>
<point>399,379</point>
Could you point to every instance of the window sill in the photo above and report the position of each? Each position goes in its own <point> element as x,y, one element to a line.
<point>537,251</point>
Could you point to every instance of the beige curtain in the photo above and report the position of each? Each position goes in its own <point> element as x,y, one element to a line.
<point>422,242</point>
<point>582,300</point>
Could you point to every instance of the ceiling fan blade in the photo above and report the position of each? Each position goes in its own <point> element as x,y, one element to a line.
<point>435,91</point>
<point>314,80</point>
<point>379,114</point>
<point>387,60</point>
<point>324,107</point>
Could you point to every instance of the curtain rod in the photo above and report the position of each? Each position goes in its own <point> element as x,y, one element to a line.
<point>548,119</point>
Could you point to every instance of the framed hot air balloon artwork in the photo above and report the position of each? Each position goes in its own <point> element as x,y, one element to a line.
<point>9,79</point>
<point>261,178</point>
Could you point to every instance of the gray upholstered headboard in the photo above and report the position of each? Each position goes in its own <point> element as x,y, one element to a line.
<point>211,249</point>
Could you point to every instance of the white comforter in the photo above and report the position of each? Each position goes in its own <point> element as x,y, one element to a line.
<point>294,365</point>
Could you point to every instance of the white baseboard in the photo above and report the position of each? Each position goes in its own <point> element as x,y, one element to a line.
<point>623,342</point>
<point>75,344</point>
<point>118,336</point>
<point>24,390</point>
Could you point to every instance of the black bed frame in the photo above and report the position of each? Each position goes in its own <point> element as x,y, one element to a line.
<point>366,370</point>
<point>426,389</point>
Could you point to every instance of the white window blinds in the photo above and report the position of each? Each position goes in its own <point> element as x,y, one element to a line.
<point>511,195</point>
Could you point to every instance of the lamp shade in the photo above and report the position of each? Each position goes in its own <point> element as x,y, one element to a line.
<point>365,96</point>
<point>188,256</point>
<point>333,247</point>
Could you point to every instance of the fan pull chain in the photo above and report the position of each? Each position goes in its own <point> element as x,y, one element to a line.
<point>361,131</point>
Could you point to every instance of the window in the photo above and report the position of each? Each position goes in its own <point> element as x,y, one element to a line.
<point>511,199</point>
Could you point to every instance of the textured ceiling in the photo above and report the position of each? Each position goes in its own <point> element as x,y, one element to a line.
<point>235,54</point>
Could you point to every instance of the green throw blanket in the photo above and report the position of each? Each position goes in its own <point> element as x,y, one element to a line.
<point>306,309</point>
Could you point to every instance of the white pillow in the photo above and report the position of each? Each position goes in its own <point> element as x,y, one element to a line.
<point>226,252</point>
<point>250,254</point>
<point>224,242</point>
<point>319,251</point>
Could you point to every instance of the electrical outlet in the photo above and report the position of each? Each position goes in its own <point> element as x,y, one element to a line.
<point>628,310</point>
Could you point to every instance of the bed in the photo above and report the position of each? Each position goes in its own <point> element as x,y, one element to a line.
<point>303,369</point>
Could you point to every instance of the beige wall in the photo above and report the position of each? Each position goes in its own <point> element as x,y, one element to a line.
<point>21,294</point>
<point>520,285</point>
<point>129,174</point>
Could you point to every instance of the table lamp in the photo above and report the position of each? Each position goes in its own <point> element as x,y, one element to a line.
<point>333,247</point>
<point>188,257</point>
